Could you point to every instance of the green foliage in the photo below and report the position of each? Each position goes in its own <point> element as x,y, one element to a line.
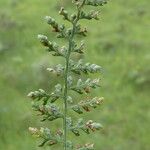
<point>42,101</point>
<point>119,43</point>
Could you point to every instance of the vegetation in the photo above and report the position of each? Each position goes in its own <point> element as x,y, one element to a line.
<point>121,47</point>
<point>45,103</point>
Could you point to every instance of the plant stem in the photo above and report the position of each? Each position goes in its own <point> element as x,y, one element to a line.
<point>67,74</point>
<point>66,87</point>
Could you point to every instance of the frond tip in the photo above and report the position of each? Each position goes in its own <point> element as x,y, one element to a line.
<point>82,125</point>
<point>96,2</point>
<point>87,146</point>
<point>86,105</point>
<point>38,95</point>
<point>47,137</point>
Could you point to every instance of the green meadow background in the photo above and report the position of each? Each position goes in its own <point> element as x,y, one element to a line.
<point>119,42</point>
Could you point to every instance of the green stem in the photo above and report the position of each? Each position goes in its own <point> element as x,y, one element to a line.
<point>67,74</point>
<point>66,87</point>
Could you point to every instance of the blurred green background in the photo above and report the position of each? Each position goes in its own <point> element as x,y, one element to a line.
<point>120,43</point>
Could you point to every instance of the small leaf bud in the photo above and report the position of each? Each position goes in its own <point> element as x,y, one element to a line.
<point>73,17</point>
<point>49,20</point>
<point>64,13</point>
<point>77,109</point>
<point>31,95</point>
<point>43,39</point>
